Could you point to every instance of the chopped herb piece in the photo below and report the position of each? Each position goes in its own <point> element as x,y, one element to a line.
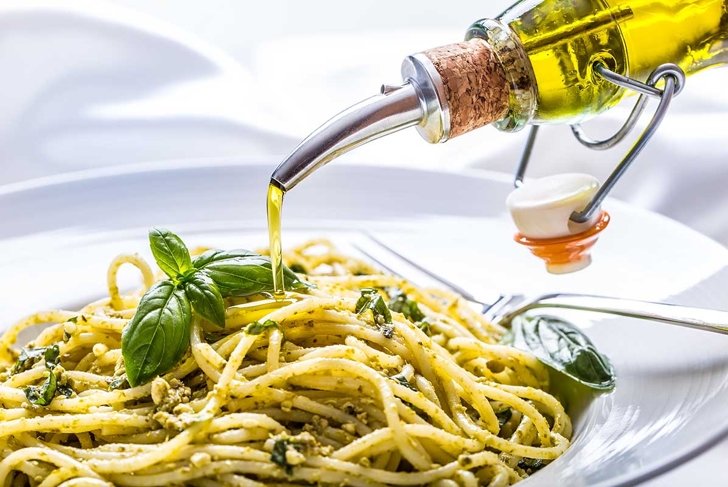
<point>387,330</point>
<point>119,383</point>
<point>408,307</point>
<point>64,390</point>
<point>31,356</point>
<point>504,416</point>
<point>403,381</point>
<point>424,325</point>
<point>256,328</point>
<point>73,320</point>
<point>43,394</point>
<point>278,455</point>
<point>371,299</point>
<point>51,355</point>
<point>531,465</point>
<point>214,336</point>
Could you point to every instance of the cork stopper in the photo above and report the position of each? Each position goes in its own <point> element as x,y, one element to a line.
<point>475,84</point>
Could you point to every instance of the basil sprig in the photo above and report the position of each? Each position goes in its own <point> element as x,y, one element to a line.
<point>158,335</point>
<point>562,346</point>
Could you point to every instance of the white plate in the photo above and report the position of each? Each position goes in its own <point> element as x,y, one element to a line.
<point>58,235</point>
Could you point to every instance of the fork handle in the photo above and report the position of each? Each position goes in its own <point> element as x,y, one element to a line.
<point>690,317</point>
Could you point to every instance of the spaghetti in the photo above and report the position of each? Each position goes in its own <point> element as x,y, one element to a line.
<point>312,389</point>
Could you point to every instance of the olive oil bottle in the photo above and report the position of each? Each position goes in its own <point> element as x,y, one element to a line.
<point>564,38</point>
<point>533,64</point>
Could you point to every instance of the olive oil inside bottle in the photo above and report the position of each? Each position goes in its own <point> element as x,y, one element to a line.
<point>564,38</point>
<point>274,208</point>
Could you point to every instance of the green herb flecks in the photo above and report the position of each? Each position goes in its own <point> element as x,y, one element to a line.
<point>531,465</point>
<point>402,380</point>
<point>257,327</point>
<point>31,356</point>
<point>371,299</point>
<point>278,455</point>
<point>408,307</point>
<point>118,383</point>
<point>504,416</point>
<point>43,394</point>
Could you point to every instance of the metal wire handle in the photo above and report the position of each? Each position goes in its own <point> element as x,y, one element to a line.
<point>674,79</point>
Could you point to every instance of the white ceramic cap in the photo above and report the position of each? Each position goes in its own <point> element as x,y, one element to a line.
<point>541,207</point>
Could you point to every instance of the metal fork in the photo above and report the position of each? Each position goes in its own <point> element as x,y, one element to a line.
<point>502,308</point>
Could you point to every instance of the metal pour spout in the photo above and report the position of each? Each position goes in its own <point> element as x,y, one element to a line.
<point>419,102</point>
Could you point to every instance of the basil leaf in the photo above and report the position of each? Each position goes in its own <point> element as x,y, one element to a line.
<point>43,395</point>
<point>205,298</point>
<point>215,255</point>
<point>371,299</point>
<point>408,307</point>
<point>157,336</point>
<point>170,252</point>
<point>31,356</point>
<point>563,347</point>
<point>51,355</point>
<point>256,328</point>
<point>240,273</point>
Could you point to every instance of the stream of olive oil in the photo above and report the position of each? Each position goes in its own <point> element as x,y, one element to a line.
<point>274,206</point>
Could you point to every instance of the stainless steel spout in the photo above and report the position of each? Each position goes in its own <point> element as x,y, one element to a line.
<point>420,102</point>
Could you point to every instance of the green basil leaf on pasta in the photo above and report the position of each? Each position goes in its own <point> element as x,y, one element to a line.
<point>400,303</point>
<point>158,334</point>
<point>216,255</point>
<point>31,356</point>
<point>240,273</point>
<point>170,252</point>
<point>51,356</point>
<point>371,299</point>
<point>43,394</point>
<point>205,298</point>
<point>279,453</point>
<point>257,327</point>
<point>562,346</point>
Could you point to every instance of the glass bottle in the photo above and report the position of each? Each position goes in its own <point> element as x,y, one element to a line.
<point>563,39</point>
